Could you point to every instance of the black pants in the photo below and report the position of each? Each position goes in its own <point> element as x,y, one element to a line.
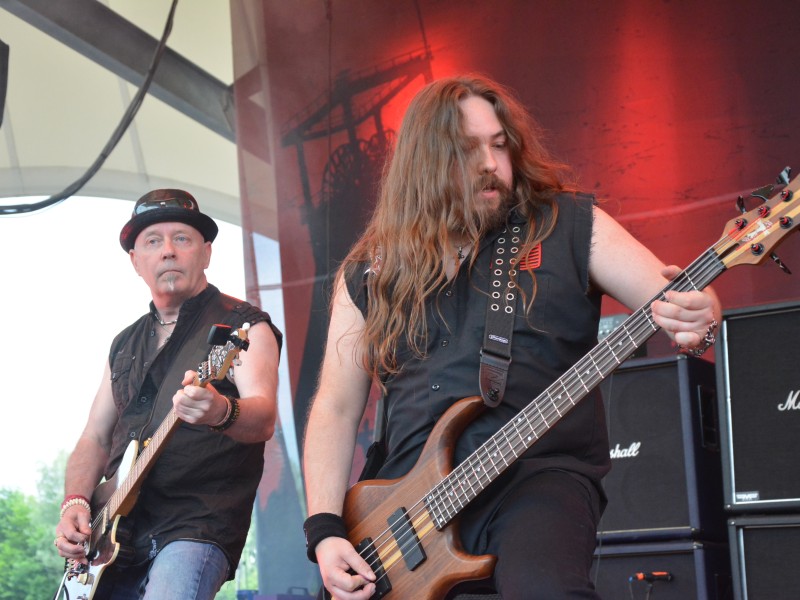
<point>543,532</point>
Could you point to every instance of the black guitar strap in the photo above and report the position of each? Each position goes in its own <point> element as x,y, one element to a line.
<point>496,350</point>
<point>500,311</point>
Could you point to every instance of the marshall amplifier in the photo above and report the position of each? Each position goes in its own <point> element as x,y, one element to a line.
<point>666,475</point>
<point>675,570</point>
<point>763,551</point>
<point>758,379</point>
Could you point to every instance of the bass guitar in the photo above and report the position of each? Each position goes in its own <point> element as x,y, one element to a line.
<point>405,529</point>
<point>115,498</point>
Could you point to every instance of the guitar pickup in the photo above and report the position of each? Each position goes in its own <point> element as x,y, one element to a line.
<point>366,548</point>
<point>407,540</point>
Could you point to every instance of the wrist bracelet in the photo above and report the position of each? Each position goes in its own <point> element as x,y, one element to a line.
<point>708,340</point>
<point>320,526</point>
<point>71,496</point>
<point>74,500</point>
<point>228,408</point>
<point>230,416</point>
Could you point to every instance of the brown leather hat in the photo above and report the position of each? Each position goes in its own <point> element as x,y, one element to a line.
<point>166,206</point>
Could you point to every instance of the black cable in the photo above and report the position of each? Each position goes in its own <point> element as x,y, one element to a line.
<point>124,123</point>
<point>422,29</point>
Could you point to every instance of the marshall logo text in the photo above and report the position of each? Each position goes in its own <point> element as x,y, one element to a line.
<point>792,402</point>
<point>629,452</point>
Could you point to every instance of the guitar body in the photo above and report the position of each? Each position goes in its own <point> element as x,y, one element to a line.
<point>107,544</point>
<point>370,507</point>
<point>82,581</point>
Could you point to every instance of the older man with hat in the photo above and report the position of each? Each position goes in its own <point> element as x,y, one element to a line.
<point>184,533</point>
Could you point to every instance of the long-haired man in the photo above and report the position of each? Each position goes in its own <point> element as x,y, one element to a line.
<point>409,312</point>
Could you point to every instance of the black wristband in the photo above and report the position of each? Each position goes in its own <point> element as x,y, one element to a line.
<point>320,526</point>
<point>230,418</point>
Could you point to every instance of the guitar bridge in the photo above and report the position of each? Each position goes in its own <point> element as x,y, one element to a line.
<point>80,573</point>
<point>366,548</point>
<point>76,569</point>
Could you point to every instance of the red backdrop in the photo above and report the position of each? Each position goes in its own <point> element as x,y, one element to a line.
<point>667,111</point>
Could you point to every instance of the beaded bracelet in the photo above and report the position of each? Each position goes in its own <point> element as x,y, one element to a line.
<point>320,526</point>
<point>71,496</point>
<point>74,500</point>
<point>708,340</point>
<point>230,416</point>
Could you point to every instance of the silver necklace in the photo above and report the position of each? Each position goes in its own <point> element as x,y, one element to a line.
<point>161,321</point>
<point>460,254</point>
<point>165,326</point>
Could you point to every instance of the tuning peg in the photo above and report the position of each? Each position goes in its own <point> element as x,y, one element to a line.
<point>780,263</point>
<point>784,176</point>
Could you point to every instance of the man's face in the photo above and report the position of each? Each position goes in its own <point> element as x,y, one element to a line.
<point>492,153</point>
<point>172,258</point>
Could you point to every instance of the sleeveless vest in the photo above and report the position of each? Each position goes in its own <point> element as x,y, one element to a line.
<point>203,485</point>
<point>559,329</point>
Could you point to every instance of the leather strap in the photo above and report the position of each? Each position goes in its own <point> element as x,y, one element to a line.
<point>500,311</point>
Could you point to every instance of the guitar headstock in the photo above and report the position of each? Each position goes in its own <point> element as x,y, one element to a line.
<point>226,344</point>
<point>752,237</point>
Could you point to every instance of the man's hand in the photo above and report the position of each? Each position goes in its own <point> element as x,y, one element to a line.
<point>685,316</point>
<point>72,532</point>
<point>199,405</point>
<point>345,574</point>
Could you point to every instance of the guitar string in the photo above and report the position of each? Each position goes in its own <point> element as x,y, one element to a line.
<point>405,539</point>
<point>683,282</point>
<point>573,380</point>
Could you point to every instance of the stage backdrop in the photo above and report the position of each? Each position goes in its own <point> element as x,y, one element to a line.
<point>668,111</point>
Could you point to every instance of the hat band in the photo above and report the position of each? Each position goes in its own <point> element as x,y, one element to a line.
<point>148,205</point>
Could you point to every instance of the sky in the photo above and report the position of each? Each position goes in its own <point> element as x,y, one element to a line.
<point>67,289</point>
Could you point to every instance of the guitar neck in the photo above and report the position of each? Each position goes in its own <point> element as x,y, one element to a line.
<point>495,455</point>
<point>124,496</point>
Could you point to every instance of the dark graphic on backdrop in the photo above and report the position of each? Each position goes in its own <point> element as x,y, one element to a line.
<point>344,131</point>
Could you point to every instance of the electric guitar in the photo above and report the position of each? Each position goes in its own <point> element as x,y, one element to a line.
<point>405,528</point>
<point>116,497</point>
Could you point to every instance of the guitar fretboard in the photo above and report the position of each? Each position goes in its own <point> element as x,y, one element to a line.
<point>214,368</point>
<point>495,455</point>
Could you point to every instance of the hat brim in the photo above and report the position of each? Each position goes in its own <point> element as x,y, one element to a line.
<point>203,223</point>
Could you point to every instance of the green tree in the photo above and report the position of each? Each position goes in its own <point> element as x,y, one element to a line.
<point>31,567</point>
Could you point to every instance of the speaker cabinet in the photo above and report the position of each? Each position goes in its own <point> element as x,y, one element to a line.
<point>763,550</point>
<point>758,379</point>
<point>678,570</point>
<point>666,475</point>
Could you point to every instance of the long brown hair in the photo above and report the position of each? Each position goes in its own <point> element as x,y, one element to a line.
<point>426,197</point>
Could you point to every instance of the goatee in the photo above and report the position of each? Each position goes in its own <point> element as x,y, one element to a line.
<point>170,279</point>
<point>488,218</point>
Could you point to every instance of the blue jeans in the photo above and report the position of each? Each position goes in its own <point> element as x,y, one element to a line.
<point>182,569</point>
